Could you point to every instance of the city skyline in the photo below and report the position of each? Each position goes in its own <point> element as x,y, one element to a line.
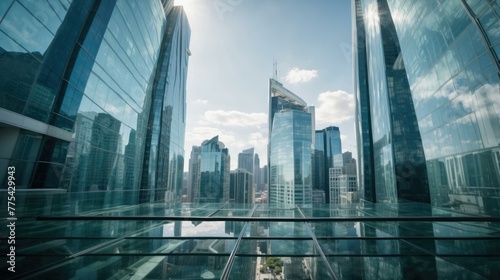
<point>94,101</point>
<point>232,58</point>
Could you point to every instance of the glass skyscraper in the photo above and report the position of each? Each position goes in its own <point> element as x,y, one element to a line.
<point>327,146</point>
<point>164,160</point>
<point>427,89</point>
<point>246,160</point>
<point>428,122</point>
<point>94,97</point>
<point>210,179</point>
<point>291,139</point>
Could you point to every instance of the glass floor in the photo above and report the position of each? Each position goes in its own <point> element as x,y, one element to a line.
<point>97,236</point>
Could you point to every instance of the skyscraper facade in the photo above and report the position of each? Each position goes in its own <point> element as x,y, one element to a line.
<point>394,133</point>
<point>241,187</point>
<point>291,139</point>
<point>327,146</point>
<point>246,160</point>
<point>256,172</point>
<point>194,174</point>
<point>427,89</point>
<point>164,157</point>
<point>76,104</point>
<point>210,181</point>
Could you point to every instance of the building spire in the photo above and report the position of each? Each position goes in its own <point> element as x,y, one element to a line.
<point>275,69</point>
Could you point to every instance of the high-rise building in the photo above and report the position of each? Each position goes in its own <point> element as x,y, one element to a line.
<point>327,146</point>
<point>264,178</point>
<point>427,91</point>
<point>256,172</point>
<point>246,160</point>
<point>241,187</point>
<point>86,103</point>
<point>164,157</point>
<point>210,174</point>
<point>194,174</point>
<point>349,164</point>
<point>291,147</point>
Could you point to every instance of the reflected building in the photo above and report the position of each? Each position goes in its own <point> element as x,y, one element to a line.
<point>391,152</point>
<point>427,82</point>
<point>94,98</point>
<point>291,147</point>
<point>427,91</point>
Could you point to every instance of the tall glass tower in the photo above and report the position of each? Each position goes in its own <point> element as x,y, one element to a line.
<point>94,98</point>
<point>246,160</point>
<point>213,183</point>
<point>327,146</point>
<point>427,93</point>
<point>291,147</point>
<point>164,157</point>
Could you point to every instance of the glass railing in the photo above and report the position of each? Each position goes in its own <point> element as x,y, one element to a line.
<point>98,236</point>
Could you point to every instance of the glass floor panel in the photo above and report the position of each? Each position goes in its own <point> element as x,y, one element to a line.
<point>99,236</point>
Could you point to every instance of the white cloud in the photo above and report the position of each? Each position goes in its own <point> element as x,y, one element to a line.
<point>334,107</point>
<point>296,75</point>
<point>234,118</point>
<point>201,101</point>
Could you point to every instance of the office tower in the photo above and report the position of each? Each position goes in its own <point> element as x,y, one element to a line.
<point>327,146</point>
<point>246,160</point>
<point>349,163</point>
<point>392,165</point>
<point>164,157</point>
<point>194,173</point>
<point>264,177</point>
<point>85,104</point>
<point>241,187</point>
<point>291,139</point>
<point>210,181</point>
<point>256,172</point>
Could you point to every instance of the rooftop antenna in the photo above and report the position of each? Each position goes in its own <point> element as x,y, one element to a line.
<point>275,69</point>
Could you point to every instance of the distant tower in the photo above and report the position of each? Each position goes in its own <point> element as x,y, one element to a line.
<point>214,172</point>
<point>194,174</point>
<point>246,160</point>
<point>327,146</point>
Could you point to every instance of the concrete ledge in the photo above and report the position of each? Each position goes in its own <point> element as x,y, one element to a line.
<point>23,122</point>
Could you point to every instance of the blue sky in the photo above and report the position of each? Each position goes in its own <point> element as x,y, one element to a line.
<point>233,45</point>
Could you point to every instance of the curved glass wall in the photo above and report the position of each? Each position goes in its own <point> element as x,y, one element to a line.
<point>164,160</point>
<point>398,157</point>
<point>453,72</point>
